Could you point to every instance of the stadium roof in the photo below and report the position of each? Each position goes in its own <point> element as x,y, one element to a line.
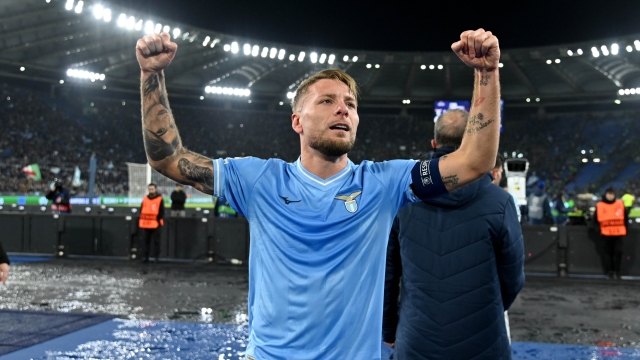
<point>92,43</point>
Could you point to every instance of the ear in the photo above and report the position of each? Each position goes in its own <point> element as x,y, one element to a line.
<point>296,123</point>
<point>433,144</point>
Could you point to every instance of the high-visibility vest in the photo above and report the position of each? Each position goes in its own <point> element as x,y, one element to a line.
<point>628,200</point>
<point>149,213</point>
<point>611,218</point>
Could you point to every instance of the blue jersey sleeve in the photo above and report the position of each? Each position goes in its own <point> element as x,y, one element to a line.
<point>395,175</point>
<point>234,179</point>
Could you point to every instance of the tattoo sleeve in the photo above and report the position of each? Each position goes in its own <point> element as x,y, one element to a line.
<point>450,180</point>
<point>198,174</point>
<point>476,124</point>
<point>162,141</point>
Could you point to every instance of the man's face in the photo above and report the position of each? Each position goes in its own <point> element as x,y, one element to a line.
<point>178,188</point>
<point>610,196</point>
<point>327,118</point>
<point>497,175</point>
<point>152,190</point>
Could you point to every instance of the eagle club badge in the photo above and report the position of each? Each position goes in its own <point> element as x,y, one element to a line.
<point>350,201</point>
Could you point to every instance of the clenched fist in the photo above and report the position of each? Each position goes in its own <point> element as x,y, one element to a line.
<point>479,49</point>
<point>155,52</point>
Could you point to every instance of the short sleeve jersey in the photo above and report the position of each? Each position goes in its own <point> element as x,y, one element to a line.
<point>316,264</point>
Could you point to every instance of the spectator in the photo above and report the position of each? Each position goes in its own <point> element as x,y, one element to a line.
<point>538,205</point>
<point>60,198</point>
<point>460,260</point>
<point>151,219</point>
<point>612,218</point>
<point>559,210</point>
<point>178,198</point>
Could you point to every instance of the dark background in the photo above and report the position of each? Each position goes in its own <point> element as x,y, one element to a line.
<point>402,26</point>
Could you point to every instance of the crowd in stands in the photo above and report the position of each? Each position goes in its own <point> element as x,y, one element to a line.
<point>61,133</point>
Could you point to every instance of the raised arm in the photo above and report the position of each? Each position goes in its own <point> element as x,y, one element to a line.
<point>477,155</point>
<point>162,142</point>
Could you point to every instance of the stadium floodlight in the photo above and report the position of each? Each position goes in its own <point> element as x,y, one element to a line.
<point>234,47</point>
<point>595,52</point>
<point>629,48</point>
<point>227,91</point>
<point>637,44</point>
<point>273,53</point>
<point>569,52</point>
<point>637,90</point>
<point>323,58</point>
<point>291,95</point>
<point>122,20</point>
<point>226,47</point>
<point>579,51</point>
<point>255,50</point>
<point>61,82</point>
<point>301,56</point>
<point>500,65</point>
<point>265,52</point>
<point>107,15</point>
<point>596,160</point>
<point>332,58</point>
<point>528,99</point>
<point>22,68</point>
<point>139,25</point>
<point>313,57</point>
<point>98,11</point>
<point>537,99</point>
<point>422,67</point>
<point>345,58</point>
<point>621,92</point>
<point>281,54</point>
<point>617,101</point>
<point>431,67</point>
<point>176,33</point>
<point>377,66</point>
<point>246,49</point>
<point>632,91</point>
<point>549,62</point>
<point>69,5</point>
<point>166,28</point>
<point>158,28</point>
<point>292,57</point>
<point>614,49</point>
<point>440,67</point>
<point>354,59</point>
<point>605,51</point>
<point>79,6</point>
<point>557,61</point>
<point>627,91</point>
<point>131,22</point>
<point>585,160</point>
<point>206,41</point>
<point>583,152</point>
<point>368,66</point>
<point>148,27</point>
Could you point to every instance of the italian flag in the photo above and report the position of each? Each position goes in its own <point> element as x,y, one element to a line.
<point>33,172</point>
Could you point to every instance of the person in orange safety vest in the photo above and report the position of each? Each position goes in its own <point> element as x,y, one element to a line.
<point>612,218</point>
<point>151,219</point>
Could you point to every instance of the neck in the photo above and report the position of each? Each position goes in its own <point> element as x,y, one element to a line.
<point>321,165</point>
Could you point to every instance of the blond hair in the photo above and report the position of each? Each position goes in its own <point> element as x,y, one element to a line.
<point>333,74</point>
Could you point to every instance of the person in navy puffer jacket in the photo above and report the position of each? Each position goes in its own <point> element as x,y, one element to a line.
<point>461,261</point>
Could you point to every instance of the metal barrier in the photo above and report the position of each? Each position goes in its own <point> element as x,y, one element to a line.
<point>199,236</point>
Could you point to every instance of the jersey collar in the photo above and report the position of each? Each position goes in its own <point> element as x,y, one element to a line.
<point>320,181</point>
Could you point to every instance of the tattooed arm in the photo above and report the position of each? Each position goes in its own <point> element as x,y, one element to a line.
<point>162,142</point>
<point>477,153</point>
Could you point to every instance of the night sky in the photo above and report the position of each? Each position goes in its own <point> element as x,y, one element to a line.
<point>403,26</point>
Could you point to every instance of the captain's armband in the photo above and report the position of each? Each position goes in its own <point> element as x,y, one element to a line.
<point>426,180</point>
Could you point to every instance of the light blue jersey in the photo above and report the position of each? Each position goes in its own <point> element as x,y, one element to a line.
<point>318,247</point>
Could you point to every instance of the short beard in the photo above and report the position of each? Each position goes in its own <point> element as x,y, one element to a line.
<point>331,148</point>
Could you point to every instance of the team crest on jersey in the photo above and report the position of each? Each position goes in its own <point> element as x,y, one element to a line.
<point>350,201</point>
